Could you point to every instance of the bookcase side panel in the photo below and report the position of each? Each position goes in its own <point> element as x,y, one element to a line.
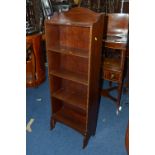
<point>95,71</point>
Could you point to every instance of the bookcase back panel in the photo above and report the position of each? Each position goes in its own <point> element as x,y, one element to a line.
<point>68,63</point>
<point>74,95</point>
<point>52,36</point>
<point>74,87</point>
<point>75,64</point>
<point>63,108</point>
<point>69,37</point>
<point>67,85</point>
<point>70,117</point>
<point>76,115</point>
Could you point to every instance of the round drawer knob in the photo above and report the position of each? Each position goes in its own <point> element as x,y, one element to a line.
<point>95,38</point>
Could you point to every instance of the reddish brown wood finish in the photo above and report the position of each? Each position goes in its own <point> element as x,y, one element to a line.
<point>73,43</point>
<point>30,64</point>
<point>116,40</point>
<point>37,62</point>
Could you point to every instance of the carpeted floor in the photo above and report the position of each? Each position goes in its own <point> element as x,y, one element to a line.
<point>110,132</point>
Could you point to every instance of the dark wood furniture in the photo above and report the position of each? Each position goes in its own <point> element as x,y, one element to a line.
<point>108,6</point>
<point>35,68</point>
<point>115,42</point>
<point>30,64</point>
<point>73,43</point>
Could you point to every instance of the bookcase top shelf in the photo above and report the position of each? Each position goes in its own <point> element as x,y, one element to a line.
<point>75,17</point>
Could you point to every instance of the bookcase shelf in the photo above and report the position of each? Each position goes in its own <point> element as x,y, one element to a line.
<point>76,122</point>
<point>70,51</point>
<point>73,98</point>
<point>79,78</point>
<point>73,45</point>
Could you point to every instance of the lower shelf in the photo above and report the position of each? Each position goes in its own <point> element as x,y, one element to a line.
<point>72,98</point>
<point>71,118</point>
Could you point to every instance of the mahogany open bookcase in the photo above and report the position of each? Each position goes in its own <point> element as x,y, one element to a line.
<point>73,45</point>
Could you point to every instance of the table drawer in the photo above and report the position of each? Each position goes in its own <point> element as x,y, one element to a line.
<point>112,76</point>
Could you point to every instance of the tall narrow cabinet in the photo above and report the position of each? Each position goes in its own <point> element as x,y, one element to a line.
<point>73,43</point>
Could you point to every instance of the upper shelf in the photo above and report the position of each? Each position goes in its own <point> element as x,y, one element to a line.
<point>70,51</point>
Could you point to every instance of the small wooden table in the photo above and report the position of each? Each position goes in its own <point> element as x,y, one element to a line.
<point>35,68</point>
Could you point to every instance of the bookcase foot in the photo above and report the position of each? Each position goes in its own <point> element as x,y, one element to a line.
<point>93,134</point>
<point>85,140</point>
<point>52,124</point>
